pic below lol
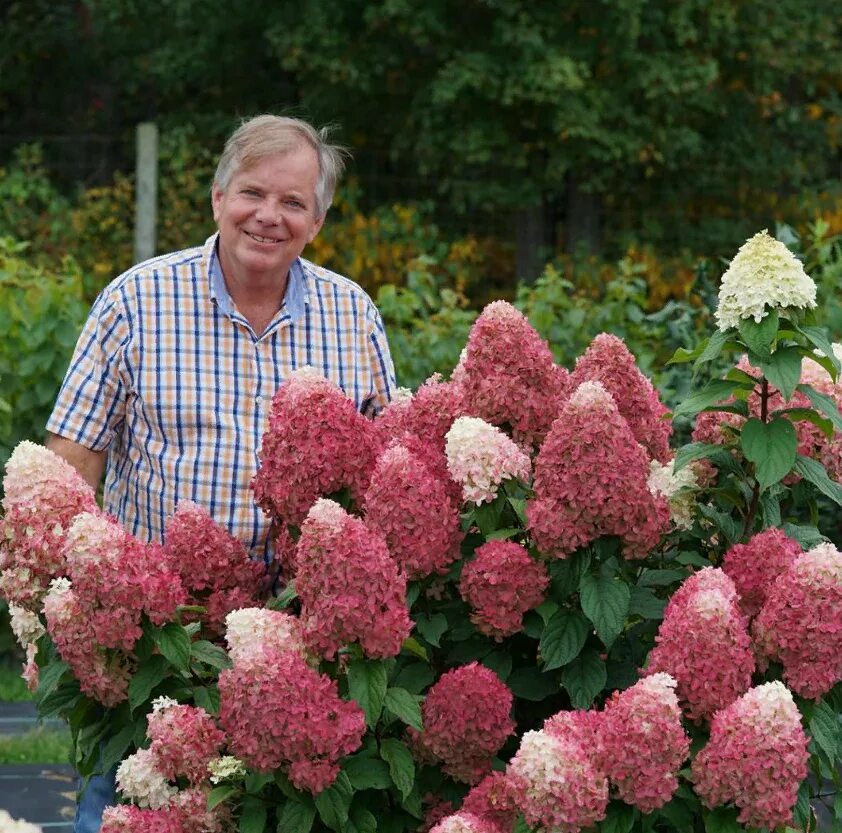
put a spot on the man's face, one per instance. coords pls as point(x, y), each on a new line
point(267, 215)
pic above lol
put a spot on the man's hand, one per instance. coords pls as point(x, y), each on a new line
point(90, 464)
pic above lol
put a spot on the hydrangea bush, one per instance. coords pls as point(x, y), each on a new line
point(505, 604)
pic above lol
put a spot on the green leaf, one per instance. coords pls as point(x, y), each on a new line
point(521, 826)
point(207, 698)
point(401, 764)
point(367, 773)
point(219, 794)
point(802, 812)
point(253, 816)
point(531, 684)
point(584, 678)
point(500, 662)
point(809, 415)
point(431, 627)
point(661, 578)
point(693, 559)
point(404, 705)
point(367, 682)
point(364, 820)
point(566, 573)
point(286, 597)
point(618, 819)
point(174, 643)
point(487, 515)
point(563, 637)
point(296, 817)
point(682, 355)
point(714, 346)
point(759, 335)
point(715, 391)
point(807, 536)
point(49, 677)
point(818, 337)
point(814, 472)
point(783, 370)
point(771, 446)
point(826, 730)
point(721, 820)
point(63, 699)
point(415, 677)
point(114, 751)
point(503, 534)
point(644, 603)
point(770, 504)
point(210, 654)
point(678, 814)
point(605, 602)
point(334, 802)
point(152, 672)
point(698, 451)
point(823, 403)
point(413, 646)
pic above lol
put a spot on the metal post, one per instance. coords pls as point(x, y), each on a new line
point(146, 191)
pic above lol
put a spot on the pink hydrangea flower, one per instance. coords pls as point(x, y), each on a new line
point(492, 799)
point(279, 712)
point(409, 505)
point(703, 644)
point(501, 583)
point(214, 566)
point(42, 495)
point(508, 375)
point(756, 757)
point(480, 457)
point(349, 586)
point(800, 624)
point(317, 443)
point(609, 362)
point(556, 784)
point(126, 818)
point(464, 822)
point(30, 671)
point(466, 719)
point(642, 744)
point(184, 740)
point(754, 566)
point(591, 480)
point(251, 630)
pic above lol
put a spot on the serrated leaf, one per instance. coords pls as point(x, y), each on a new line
point(401, 764)
point(174, 643)
point(363, 820)
point(824, 403)
point(714, 346)
point(415, 677)
point(207, 698)
point(722, 820)
point(563, 637)
point(287, 596)
point(519, 505)
point(413, 646)
point(770, 505)
point(661, 578)
point(715, 391)
point(366, 773)
point(152, 672)
point(809, 415)
point(682, 355)
point(698, 451)
point(819, 339)
point(531, 684)
point(219, 794)
point(404, 705)
point(759, 335)
point(692, 559)
point(807, 536)
point(802, 812)
point(521, 826)
point(210, 654)
point(605, 602)
point(431, 627)
point(49, 677)
point(367, 683)
point(783, 370)
point(566, 573)
point(584, 678)
point(644, 603)
point(826, 730)
point(503, 534)
point(334, 802)
point(814, 472)
point(296, 817)
point(618, 819)
point(771, 446)
point(115, 750)
point(252, 816)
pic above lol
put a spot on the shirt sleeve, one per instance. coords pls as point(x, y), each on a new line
point(90, 407)
point(380, 361)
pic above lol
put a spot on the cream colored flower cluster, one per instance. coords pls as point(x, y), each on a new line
point(10, 825)
point(763, 275)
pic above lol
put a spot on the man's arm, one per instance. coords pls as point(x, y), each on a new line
point(90, 464)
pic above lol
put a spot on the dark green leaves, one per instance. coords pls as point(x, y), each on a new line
point(334, 802)
point(401, 764)
point(814, 472)
point(367, 682)
point(771, 447)
point(584, 678)
point(713, 392)
point(404, 705)
point(210, 654)
point(147, 677)
point(823, 403)
point(759, 335)
point(174, 643)
point(605, 601)
point(296, 817)
point(783, 370)
point(563, 637)
point(431, 627)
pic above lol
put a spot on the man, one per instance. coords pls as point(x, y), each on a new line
point(170, 384)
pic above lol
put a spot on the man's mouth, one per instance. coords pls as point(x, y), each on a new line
point(260, 239)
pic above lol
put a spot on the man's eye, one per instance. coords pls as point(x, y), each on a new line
point(249, 192)
point(295, 203)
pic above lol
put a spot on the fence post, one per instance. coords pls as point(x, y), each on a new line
point(146, 191)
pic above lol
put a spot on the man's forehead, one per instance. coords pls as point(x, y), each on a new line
point(301, 153)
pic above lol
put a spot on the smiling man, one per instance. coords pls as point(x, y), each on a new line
point(170, 384)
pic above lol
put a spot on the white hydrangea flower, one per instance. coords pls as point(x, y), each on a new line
point(763, 275)
point(226, 767)
point(677, 487)
point(10, 825)
point(140, 780)
point(26, 625)
point(251, 629)
point(59, 585)
point(160, 704)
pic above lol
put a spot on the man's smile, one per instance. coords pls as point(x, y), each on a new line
point(260, 239)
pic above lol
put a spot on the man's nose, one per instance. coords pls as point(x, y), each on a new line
point(269, 213)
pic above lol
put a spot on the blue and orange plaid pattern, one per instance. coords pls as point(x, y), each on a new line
point(173, 381)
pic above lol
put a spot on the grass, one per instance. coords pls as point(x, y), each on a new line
point(12, 687)
point(37, 746)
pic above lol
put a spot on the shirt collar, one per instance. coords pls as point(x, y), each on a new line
point(295, 297)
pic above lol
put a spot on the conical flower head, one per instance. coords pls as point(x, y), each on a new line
point(756, 757)
point(800, 623)
point(42, 495)
point(508, 374)
point(609, 362)
point(703, 644)
point(642, 744)
point(316, 444)
point(350, 588)
point(763, 275)
point(591, 480)
point(409, 505)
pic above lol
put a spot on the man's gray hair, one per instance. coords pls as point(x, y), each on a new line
point(268, 135)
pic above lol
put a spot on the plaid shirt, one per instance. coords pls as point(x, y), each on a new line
point(172, 379)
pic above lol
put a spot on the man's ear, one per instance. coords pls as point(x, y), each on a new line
point(216, 201)
point(317, 227)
